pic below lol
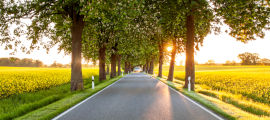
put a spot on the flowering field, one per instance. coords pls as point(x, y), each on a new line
point(22, 79)
point(250, 81)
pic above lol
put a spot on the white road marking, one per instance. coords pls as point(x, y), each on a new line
point(193, 101)
point(60, 115)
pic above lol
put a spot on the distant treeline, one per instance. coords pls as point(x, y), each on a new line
point(252, 59)
point(28, 62)
point(17, 62)
point(247, 58)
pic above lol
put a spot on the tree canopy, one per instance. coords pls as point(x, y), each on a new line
point(133, 32)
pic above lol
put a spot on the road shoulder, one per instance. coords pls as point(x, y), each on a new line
point(219, 107)
point(54, 109)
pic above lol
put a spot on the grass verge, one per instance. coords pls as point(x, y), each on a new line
point(227, 110)
point(22, 105)
point(237, 100)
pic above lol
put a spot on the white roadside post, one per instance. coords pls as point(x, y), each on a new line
point(93, 83)
point(188, 83)
point(128, 72)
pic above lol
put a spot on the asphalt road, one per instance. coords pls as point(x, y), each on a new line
point(138, 97)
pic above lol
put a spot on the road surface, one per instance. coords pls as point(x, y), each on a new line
point(138, 96)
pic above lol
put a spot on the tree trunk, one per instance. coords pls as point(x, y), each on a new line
point(119, 64)
point(129, 67)
point(190, 71)
point(144, 67)
point(126, 67)
point(113, 65)
point(108, 70)
point(101, 57)
point(171, 70)
point(76, 60)
point(151, 69)
point(147, 65)
point(161, 49)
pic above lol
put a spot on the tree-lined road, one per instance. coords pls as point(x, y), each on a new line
point(138, 96)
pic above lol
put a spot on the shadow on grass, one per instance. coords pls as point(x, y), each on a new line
point(198, 98)
point(49, 111)
point(228, 99)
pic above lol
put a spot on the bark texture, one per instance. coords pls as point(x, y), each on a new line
point(147, 65)
point(171, 70)
point(108, 70)
point(190, 71)
point(126, 67)
point(113, 65)
point(144, 67)
point(114, 57)
point(161, 49)
point(129, 67)
point(76, 60)
point(151, 69)
point(101, 57)
point(119, 64)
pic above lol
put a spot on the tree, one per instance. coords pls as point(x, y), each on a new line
point(265, 61)
point(161, 57)
point(171, 70)
point(233, 62)
point(245, 19)
point(38, 63)
point(228, 62)
point(119, 64)
point(191, 20)
point(16, 62)
point(255, 58)
point(249, 58)
point(69, 18)
point(96, 27)
point(54, 65)
point(210, 62)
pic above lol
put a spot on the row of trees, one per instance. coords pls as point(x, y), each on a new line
point(16, 62)
point(128, 32)
point(28, 62)
point(248, 58)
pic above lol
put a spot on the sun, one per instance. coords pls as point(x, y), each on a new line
point(169, 48)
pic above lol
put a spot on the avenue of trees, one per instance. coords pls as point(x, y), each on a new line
point(128, 33)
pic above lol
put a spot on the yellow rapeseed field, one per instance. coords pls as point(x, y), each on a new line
point(21, 79)
point(249, 81)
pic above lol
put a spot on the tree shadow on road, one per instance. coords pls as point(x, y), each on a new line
point(197, 98)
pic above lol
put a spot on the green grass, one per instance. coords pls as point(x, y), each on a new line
point(224, 109)
point(243, 87)
point(256, 108)
point(23, 103)
point(193, 95)
point(52, 110)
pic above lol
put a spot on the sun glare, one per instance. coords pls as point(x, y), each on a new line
point(169, 48)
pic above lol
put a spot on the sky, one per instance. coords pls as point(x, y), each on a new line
point(223, 47)
point(220, 48)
